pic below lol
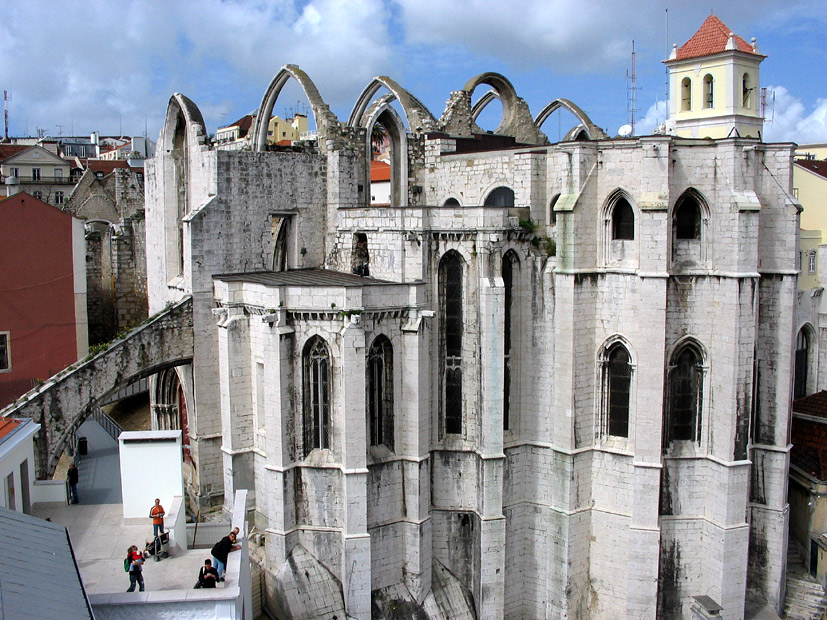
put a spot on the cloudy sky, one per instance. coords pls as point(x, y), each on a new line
point(111, 65)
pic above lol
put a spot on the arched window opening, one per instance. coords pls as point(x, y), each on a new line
point(500, 197)
point(687, 218)
point(360, 259)
point(316, 385)
point(552, 214)
point(617, 381)
point(802, 360)
point(451, 293)
point(746, 91)
point(180, 160)
point(623, 220)
point(685, 396)
point(451, 202)
point(686, 94)
point(811, 262)
point(380, 392)
point(279, 227)
point(709, 97)
point(381, 171)
point(509, 266)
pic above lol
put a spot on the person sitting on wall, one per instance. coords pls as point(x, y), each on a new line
point(156, 513)
point(221, 550)
point(207, 575)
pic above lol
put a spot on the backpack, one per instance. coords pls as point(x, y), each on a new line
point(126, 564)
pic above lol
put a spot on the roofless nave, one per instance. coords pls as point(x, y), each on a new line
point(562, 390)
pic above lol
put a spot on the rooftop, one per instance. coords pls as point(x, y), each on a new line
point(816, 166)
point(711, 38)
point(303, 277)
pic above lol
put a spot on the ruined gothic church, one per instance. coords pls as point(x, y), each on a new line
point(545, 381)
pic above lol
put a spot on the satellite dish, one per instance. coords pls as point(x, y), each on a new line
point(625, 131)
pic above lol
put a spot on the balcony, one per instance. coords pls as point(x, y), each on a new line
point(43, 180)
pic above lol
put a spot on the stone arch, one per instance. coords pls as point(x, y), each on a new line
point(503, 90)
point(182, 116)
point(325, 119)
point(418, 116)
point(384, 114)
point(593, 131)
point(689, 220)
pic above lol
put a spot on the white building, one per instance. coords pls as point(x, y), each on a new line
point(558, 387)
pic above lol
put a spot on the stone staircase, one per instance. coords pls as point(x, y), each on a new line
point(806, 598)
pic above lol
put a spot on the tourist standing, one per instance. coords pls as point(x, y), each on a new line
point(156, 513)
point(72, 479)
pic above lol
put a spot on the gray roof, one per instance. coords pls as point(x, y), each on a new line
point(38, 574)
point(303, 277)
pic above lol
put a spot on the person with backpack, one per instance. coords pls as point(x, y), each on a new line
point(207, 575)
point(133, 564)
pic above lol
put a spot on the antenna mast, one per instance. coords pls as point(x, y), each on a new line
point(631, 92)
point(6, 99)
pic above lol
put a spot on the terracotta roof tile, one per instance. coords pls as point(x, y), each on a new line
point(816, 166)
point(7, 425)
point(711, 38)
point(380, 171)
point(814, 404)
point(7, 150)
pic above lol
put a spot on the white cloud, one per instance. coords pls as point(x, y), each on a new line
point(655, 116)
point(787, 119)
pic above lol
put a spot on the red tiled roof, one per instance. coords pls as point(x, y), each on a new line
point(107, 166)
point(8, 425)
point(711, 38)
point(814, 405)
point(816, 166)
point(7, 150)
point(380, 171)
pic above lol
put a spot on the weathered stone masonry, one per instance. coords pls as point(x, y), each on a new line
point(543, 460)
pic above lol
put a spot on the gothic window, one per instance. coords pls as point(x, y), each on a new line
point(617, 382)
point(709, 98)
point(500, 197)
point(451, 291)
point(687, 218)
point(685, 395)
point(360, 259)
point(686, 94)
point(380, 392)
point(802, 359)
point(623, 220)
point(510, 265)
point(316, 386)
point(552, 214)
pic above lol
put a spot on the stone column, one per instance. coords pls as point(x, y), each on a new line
point(355, 570)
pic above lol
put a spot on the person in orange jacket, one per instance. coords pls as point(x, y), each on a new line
point(156, 513)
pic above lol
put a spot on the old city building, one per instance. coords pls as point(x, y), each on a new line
point(545, 381)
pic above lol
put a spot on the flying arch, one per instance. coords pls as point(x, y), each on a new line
point(321, 111)
point(419, 117)
point(593, 131)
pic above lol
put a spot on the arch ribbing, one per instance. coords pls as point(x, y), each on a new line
point(483, 102)
point(321, 111)
point(506, 92)
point(193, 120)
point(593, 131)
point(419, 117)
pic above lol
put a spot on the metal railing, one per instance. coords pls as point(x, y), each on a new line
point(111, 427)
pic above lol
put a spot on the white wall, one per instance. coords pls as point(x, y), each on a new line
point(15, 448)
point(151, 466)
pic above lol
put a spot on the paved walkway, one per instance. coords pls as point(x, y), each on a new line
point(100, 535)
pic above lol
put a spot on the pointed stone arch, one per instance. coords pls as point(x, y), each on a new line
point(593, 131)
point(383, 113)
point(325, 119)
point(418, 116)
point(182, 116)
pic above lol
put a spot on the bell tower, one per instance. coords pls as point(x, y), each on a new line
point(714, 85)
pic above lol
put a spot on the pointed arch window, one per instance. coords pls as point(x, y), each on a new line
point(687, 218)
point(685, 395)
point(316, 385)
point(802, 361)
point(509, 267)
point(380, 392)
point(451, 315)
point(746, 91)
point(623, 220)
point(617, 382)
